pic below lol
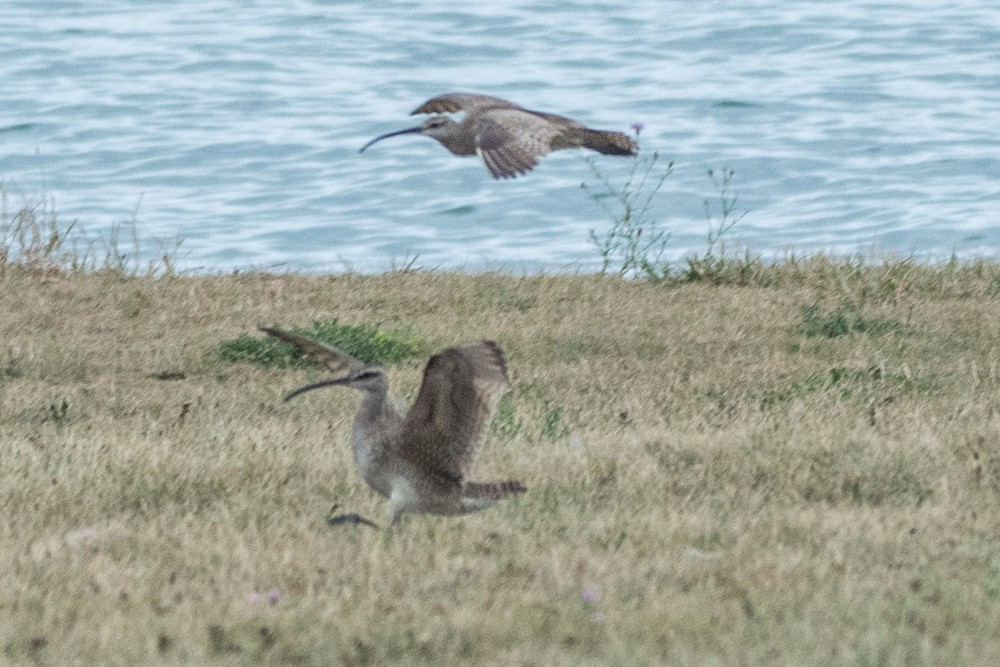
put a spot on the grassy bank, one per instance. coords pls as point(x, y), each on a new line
point(791, 465)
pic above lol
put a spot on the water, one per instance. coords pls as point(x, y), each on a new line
point(234, 127)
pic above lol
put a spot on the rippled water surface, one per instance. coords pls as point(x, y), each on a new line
point(235, 127)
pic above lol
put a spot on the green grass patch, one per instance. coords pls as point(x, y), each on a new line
point(842, 321)
point(844, 383)
point(853, 474)
point(370, 343)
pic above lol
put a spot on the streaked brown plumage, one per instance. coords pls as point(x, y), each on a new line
point(507, 137)
point(421, 461)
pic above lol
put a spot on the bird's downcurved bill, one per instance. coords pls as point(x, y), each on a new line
point(409, 130)
point(315, 385)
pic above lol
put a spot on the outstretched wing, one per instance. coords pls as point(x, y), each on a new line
point(455, 102)
point(461, 389)
point(510, 141)
point(337, 361)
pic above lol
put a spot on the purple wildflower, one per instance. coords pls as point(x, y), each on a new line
point(272, 596)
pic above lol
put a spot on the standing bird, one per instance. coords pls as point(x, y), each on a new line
point(420, 462)
point(508, 138)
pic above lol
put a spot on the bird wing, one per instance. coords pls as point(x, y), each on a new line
point(334, 359)
point(510, 141)
point(462, 386)
point(454, 102)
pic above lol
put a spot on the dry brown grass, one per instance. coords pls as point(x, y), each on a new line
point(711, 479)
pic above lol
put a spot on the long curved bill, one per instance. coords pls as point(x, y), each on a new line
point(316, 385)
point(410, 130)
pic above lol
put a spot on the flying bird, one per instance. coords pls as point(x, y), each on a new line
point(507, 137)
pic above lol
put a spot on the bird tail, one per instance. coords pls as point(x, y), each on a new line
point(495, 490)
point(476, 496)
point(608, 143)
